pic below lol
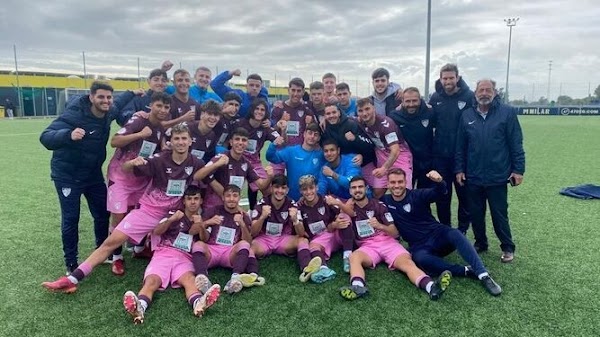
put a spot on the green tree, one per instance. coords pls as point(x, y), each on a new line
point(597, 91)
point(564, 100)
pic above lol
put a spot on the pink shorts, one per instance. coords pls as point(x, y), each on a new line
point(331, 242)
point(404, 161)
point(278, 168)
point(220, 256)
point(169, 264)
point(139, 222)
point(260, 172)
point(382, 248)
point(122, 195)
point(273, 244)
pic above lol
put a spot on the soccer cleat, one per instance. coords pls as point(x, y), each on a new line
point(62, 285)
point(353, 292)
point(71, 268)
point(347, 265)
point(234, 285)
point(118, 267)
point(324, 274)
point(440, 285)
point(209, 298)
point(132, 305)
point(144, 254)
point(312, 267)
point(250, 280)
point(202, 283)
point(491, 286)
point(507, 257)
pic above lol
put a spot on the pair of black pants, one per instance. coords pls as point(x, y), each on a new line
point(445, 167)
point(496, 196)
point(429, 255)
point(69, 197)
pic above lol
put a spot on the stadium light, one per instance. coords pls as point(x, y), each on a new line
point(510, 22)
point(428, 50)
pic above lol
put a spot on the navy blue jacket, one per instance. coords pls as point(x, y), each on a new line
point(219, 87)
point(80, 162)
point(448, 109)
point(138, 103)
point(417, 130)
point(489, 150)
point(412, 215)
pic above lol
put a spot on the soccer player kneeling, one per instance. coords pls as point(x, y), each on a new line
point(172, 261)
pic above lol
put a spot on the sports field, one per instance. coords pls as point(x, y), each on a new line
point(551, 289)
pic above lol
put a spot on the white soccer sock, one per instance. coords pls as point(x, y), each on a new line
point(482, 275)
point(117, 257)
point(73, 279)
point(138, 249)
point(234, 275)
point(358, 283)
point(143, 305)
point(428, 286)
point(347, 254)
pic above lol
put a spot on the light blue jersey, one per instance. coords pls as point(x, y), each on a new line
point(298, 162)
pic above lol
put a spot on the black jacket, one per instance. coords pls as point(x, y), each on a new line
point(80, 162)
point(361, 144)
point(417, 130)
point(448, 110)
point(489, 150)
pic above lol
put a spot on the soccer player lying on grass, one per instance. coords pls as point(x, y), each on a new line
point(327, 229)
point(429, 241)
point(170, 172)
point(139, 137)
point(172, 263)
point(376, 238)
point(225, 242)
point(274, 221)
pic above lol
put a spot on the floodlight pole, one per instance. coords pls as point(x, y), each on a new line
point(510, 22)
point(428, 50)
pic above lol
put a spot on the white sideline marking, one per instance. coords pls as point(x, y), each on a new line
point(19, 134)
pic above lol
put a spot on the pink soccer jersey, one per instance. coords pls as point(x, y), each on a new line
point(297, 122)
point(279, 222)
point(228, 233)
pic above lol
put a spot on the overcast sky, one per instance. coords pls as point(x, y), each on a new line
point(283, 39)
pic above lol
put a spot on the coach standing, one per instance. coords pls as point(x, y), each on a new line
point(489, 154)
point(78, 140)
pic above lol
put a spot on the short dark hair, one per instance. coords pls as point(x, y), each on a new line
point(232, 188)
point(328, 75)
point(342, 86)
point(232, 96)
point(364, 101)
point(255, 104)
point(158, 72)
point(211, 106)
point(449, 67)
point(180, 71)
point(314, 127)
point(297, 81)
point(97, 85)
point(254, 77)
point(240, 132)
point(380, 72)
point(358, 178)
point(316, 85)
point(279, 180)
point(161, 96)
point(396, 170)
point(330, 141)
point(192, 190)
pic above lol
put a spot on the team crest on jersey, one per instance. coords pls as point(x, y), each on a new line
point(168, 132)
point(259, 133)
point(254, 213)
point(300, 113)
point(321, 210)
point(370, 214)
point(179, 110)
point(208, 141)
point(315, 161)
point(376, 133)
point(189, 170)
point(158, 135)
point(425, 122)
point(66, 191)
point(245, 167)
point(462, 104)
point(407, 208)
point(284, 215)
point(169, 170)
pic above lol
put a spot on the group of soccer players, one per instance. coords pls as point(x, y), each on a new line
point(186, 154)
